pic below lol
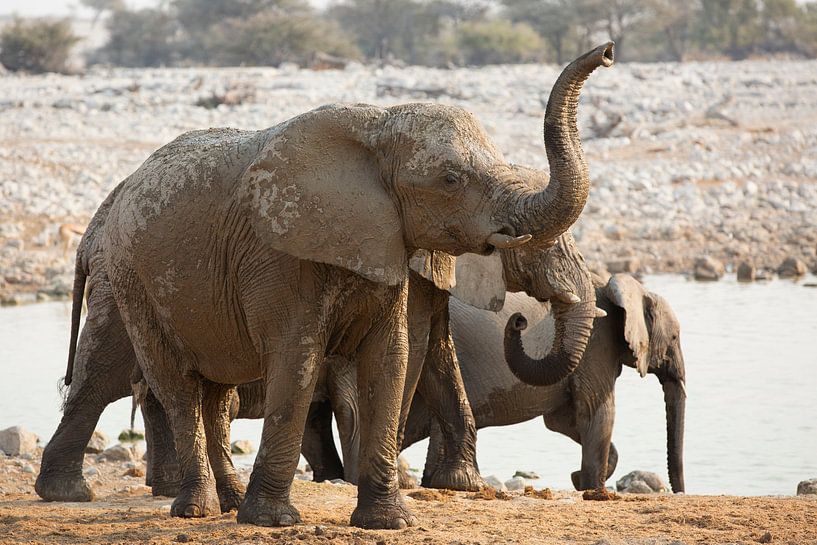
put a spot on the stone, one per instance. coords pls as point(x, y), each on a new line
point(97, 443)
point(515, 483)
point(17, 441)
point(641, 482)
point(91, 471)
point(405, 479)
point(624, 265)
point(792, 267)
point(28, 468)
point(708, 268)
point(746, 272)
point(118, 453)
point(183, 538)
point(494, 482)
point(242, 446)
point(765, 538)
point(526, 474)
point(807, 488)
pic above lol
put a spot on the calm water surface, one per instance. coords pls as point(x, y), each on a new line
point(751, 355)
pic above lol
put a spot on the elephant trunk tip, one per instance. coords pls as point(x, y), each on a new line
point(607, 54)
point(517, 322)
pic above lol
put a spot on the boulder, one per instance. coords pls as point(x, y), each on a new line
point(641, 482)
point(515, 483)
point(792, 267)
point(624, 265)
point(495, 483)
point(405, 479)
point(746, 272)
point(97, 443)
point(708, 268)
point(242, 446)
point(118, 453)
point(807, 488)
point(526, 474)
point(17, 441)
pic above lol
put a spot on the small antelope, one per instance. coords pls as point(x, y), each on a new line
point(67, 232)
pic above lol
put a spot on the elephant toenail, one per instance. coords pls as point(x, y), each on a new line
point(400, 524)
point(286, 520)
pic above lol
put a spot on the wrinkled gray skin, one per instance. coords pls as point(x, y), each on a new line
point(640, 330)
point(541, 211)
point(237, 255)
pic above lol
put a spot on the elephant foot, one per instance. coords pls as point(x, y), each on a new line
point(196, 502)
point(462, 477)
point(266, 512)
point(383, 515)
point(576, 477)
point(63, 487)
point(230, 496)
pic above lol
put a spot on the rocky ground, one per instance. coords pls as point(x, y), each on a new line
point(686, 160)
point(125, 512)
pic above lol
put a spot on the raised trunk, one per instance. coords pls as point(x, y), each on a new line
point(675, 402)
point(574, 323)
point(552, 211)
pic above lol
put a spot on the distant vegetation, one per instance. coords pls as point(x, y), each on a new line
point(429, 32)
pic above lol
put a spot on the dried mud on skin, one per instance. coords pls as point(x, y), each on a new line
point(125, 512)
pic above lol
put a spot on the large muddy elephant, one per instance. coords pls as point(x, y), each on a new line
point(351, 130)
point(640, 330)
point(237, 255)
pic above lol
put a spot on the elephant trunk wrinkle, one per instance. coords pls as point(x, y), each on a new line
point(675, 403)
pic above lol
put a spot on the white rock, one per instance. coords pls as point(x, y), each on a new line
point(242, 446)
point(494, 482)
point(97, 443)
point(118, 453)
point(16, 441)
point(515, 483)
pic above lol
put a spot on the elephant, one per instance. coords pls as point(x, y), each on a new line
point(379, 505)
point(639, 330)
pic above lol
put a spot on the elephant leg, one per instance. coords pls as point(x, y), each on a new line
point(218, 399)
point(162, 473)
point(319, 445)
point(596, 431)
point(102, 367)
point(382, 362)
point(343, 394)
point(290, 378)
point(436, 451)
point(444, 394)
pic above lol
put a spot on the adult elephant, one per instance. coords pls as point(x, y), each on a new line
point(640, 330)
point(238, 255)
point(61, 477)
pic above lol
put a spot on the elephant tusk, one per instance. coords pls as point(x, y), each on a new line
point(600, 313)
point(571, 298)
point(506, 242)
point(683, 387)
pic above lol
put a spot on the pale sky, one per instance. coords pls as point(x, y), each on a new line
point(29, 8)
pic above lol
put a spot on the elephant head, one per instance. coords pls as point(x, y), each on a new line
point(360, 186)
point(652, 333)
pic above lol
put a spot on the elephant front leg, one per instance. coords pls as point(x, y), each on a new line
point(596, 432)
point(290, 381)
point(218, 398)
point(163, 474)
point(444, 394)
point(381, 376)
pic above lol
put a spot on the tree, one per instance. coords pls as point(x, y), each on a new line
point(37, 46)
point(554, 20)
point(101, 6)
point(498, 41)
point(729, 26)
point(146, 37)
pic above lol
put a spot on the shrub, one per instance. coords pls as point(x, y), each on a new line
point(146, 37)
point(498, 41)
point(37, 45)
point(270, 38)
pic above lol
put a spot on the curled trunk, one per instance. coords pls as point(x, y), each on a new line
point(552, 211)
point(574, 323)
point(675, 402)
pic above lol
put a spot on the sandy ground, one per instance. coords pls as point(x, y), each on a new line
point(125, 512)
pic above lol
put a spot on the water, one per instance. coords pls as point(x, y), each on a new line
point(751, 426)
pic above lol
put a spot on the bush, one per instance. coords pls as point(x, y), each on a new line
point(270, 38)
point(497, 42)
point(36, 45)
point(146, 37)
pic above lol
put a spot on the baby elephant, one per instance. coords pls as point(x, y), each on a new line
point(640, 330)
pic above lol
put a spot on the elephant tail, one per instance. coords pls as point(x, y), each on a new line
point(78, 295)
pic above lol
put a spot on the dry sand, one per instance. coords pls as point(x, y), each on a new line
point(125, 512)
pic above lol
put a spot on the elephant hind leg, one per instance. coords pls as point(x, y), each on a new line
point(163, 473)
point(319, 445)
point(218, 399)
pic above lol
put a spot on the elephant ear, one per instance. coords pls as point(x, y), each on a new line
point(315, 191)
point(480, 281)
point(437, 267)
point(626, 292)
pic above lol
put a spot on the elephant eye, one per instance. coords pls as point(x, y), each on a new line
point(451, 180)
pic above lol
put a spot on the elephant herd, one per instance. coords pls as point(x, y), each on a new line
point(378, 265)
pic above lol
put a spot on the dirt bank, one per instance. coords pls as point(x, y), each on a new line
point(125, 512)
